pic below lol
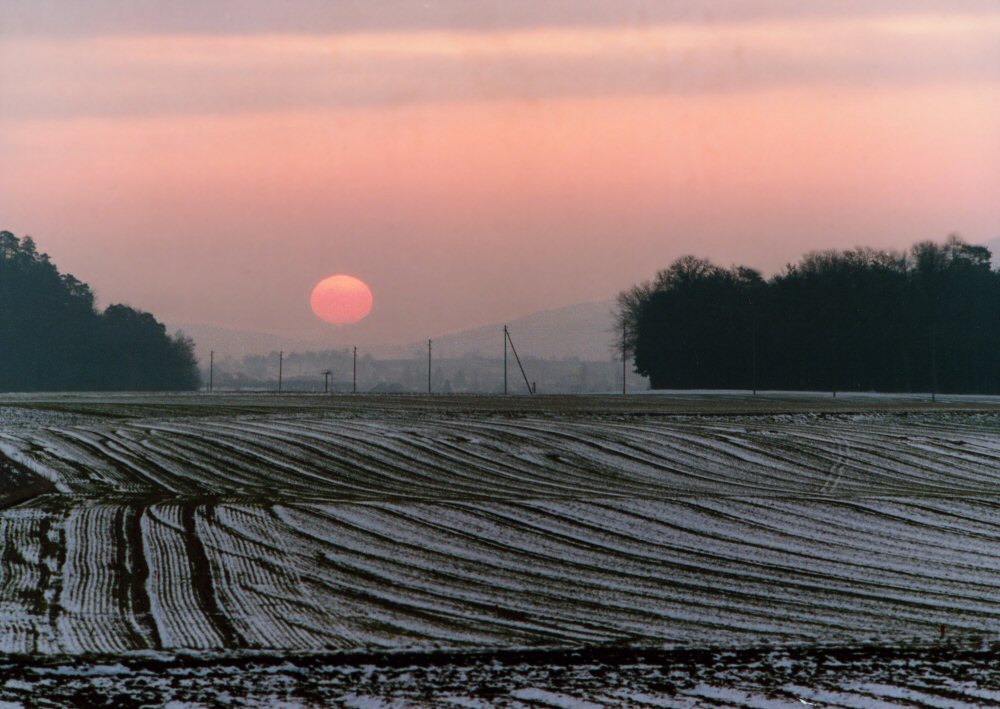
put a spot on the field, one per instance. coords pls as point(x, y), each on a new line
point(661, 550)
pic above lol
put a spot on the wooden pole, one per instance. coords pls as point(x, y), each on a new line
point(281, 357)
point(354, 385)
point(505, 360)
point(428, 366)
point(624, 361)
point(933, 363)
point(211, 370)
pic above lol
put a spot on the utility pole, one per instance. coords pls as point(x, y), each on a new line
point(281, 357)
point(624, 360)
point(354, 386)
point(836, 368)
point(428, 366)
point(753, 356)
point(326, 381)
point(505, 360)
point(933, 363)
point(211, 369)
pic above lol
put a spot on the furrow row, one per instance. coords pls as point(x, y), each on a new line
point(337, 459)
point(312, 576)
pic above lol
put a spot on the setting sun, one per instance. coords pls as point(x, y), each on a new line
point(341, 299)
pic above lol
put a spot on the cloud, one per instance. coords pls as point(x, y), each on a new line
point(240, 17)
point(219, 74)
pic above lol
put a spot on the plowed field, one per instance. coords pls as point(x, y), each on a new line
point(336, 527)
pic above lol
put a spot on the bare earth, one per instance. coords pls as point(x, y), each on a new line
point(697, 549)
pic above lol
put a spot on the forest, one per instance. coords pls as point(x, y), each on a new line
point(927, 320)
point(52, 338)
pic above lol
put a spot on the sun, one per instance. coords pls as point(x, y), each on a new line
point(341, 299)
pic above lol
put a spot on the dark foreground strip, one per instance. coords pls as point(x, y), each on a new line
point(929, 676)
point(567, 657)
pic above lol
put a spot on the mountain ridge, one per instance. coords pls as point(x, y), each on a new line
point(583, 331)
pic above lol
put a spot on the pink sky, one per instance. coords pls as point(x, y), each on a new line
point(212, 167)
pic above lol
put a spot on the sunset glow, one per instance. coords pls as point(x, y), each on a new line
point(454, 155)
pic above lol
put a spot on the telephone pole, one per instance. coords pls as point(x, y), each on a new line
point(326, 381)
point(281, 357)
point(211, 369)
point(428, 366)
point(933, 362)
point(505, 360)
point(624, 360)
point(354, 385)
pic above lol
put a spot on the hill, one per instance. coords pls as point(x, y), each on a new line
point(582, 331)
point(229, 342)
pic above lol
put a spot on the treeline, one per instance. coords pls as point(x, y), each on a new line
point(53, 339)
point(862, 320)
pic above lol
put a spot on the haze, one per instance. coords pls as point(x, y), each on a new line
point(474, 162)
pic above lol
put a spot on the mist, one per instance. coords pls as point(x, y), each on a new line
point(211, 166)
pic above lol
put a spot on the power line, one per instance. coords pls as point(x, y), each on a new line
point(506, 333)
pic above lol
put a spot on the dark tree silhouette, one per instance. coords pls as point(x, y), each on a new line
point(696, 321)
point(52, 338)
point(862, 320)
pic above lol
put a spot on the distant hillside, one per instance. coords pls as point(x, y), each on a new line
point(227, 342)
point(584, 331)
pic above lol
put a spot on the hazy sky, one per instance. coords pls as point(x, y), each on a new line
point(476, 161)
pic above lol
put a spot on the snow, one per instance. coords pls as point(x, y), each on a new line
point(303, 531)
point(887, 691)
point(552, 699)
point(99, 670)
point(740, 697)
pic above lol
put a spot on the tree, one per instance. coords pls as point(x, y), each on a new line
point(860, 319)
point(52, 338)
point(693, 325)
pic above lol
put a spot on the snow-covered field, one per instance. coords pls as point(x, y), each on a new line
point(945, 677)
point(303, 526)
